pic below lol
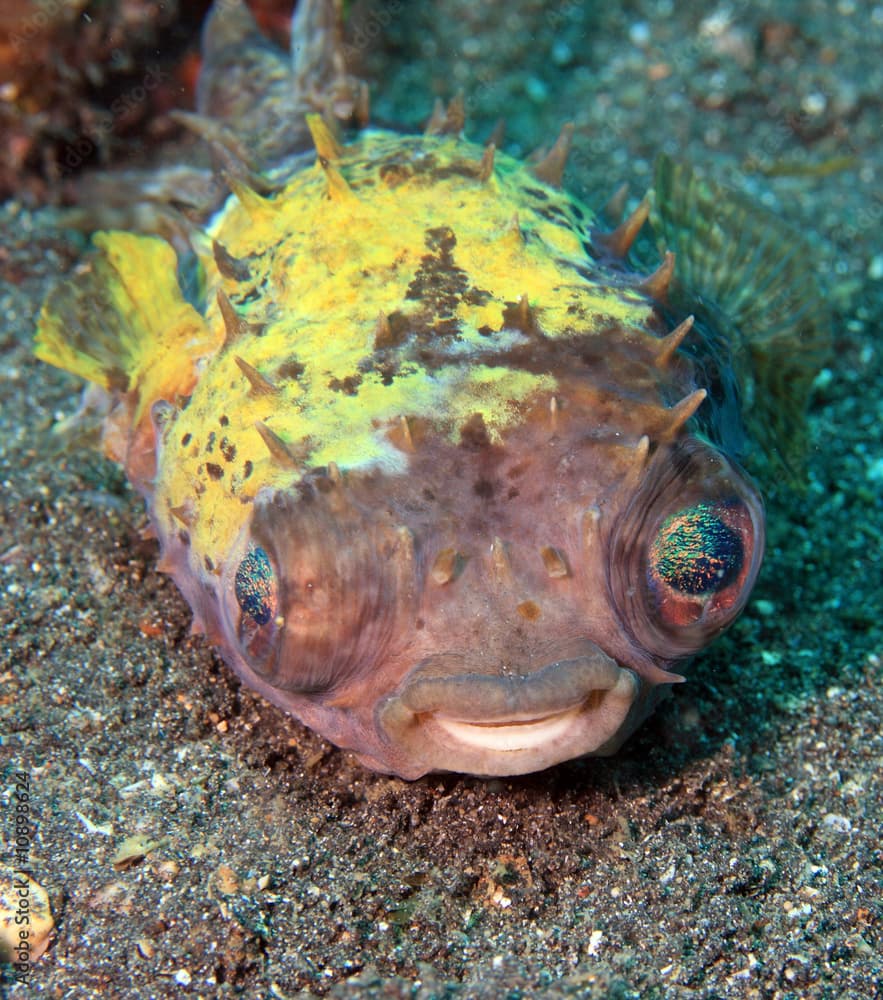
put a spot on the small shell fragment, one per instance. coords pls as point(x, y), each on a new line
point(26, 921)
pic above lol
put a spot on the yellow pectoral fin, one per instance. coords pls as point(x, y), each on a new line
point(122, 322)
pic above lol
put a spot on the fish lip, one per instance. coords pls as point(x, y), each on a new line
point(497, 725)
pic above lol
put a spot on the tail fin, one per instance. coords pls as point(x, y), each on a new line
point(752, 277)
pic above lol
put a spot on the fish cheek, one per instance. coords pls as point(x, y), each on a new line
point(686, 550)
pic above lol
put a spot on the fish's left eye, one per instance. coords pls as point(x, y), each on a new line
point(696, 558)
point(256, 588)
point(686, 551)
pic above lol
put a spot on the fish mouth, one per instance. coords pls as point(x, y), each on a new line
point(443, 718)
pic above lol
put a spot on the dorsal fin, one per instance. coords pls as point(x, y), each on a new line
point(749, 279)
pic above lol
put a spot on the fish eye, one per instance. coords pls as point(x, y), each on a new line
point(686, 551)
point(696, 559)
point(255, 586)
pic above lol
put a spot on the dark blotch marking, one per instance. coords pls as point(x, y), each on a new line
point(291, 369)
point(223, 420)
point(210, 443)
point(215, 471)
point(188, 437)
point(392, 174)
point(184, 538)
point(474, 434)
point(349, 385)
point(209, 565)
point(247, 469)
point(477, 297)
point(439, 284)
point(228, 449)
point(537, 193)
point(484, 488)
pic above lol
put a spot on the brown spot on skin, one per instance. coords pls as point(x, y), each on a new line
point(224, 420)
point(186, 439)
point(474, 434)
point(393, 174)
point(228, 449)
point(484, 488)
point(529, 610)
point(247, 468)
point(214, 471)
point(349, 386)
point(292, 369)
point(439, 284)
point(210, 443)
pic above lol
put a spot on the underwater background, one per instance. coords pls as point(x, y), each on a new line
point(192, 839)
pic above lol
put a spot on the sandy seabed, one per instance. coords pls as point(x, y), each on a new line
point(732, 849)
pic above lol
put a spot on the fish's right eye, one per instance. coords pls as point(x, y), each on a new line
point(256, 588)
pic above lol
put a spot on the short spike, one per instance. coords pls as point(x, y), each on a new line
point(656, 285)
point(615, 207)
point(436, 119)
point(445, 566)
point(520, 316)
point(234, 325)
point(327, 147)
point(260, 386)
point(498, 133)
point(279, 450)
point(254, 204)
point(619, 241)
point(550, 169)
point(382, 332)
point(362, 107)
point(640, 452)
point(502, 567)
point(455, 118)
point(338, 189)
point(681, 412)
point(184, 513)
point(591, 520)
point(553, 412)
point(229, 266)
point(513, 233)
point(486, 164)
point(669, 345)
point(403, 550)
point(554, 561)
point(405, 430)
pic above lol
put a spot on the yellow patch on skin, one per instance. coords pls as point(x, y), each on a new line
point(419, 238)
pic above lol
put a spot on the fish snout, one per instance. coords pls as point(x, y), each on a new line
point(446, 716)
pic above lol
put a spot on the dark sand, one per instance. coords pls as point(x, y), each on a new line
point(732, 849)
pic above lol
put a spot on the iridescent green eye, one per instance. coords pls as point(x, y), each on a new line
point(696, 552)
point(255, 586)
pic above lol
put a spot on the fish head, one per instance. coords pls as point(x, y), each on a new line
point(500, 607)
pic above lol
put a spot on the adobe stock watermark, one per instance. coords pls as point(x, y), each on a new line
point(35, 25)
point(21, 946)
point(84, 147)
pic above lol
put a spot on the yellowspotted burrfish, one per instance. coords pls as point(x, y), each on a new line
point(438, 471)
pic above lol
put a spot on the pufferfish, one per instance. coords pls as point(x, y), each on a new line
point(437, 471)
